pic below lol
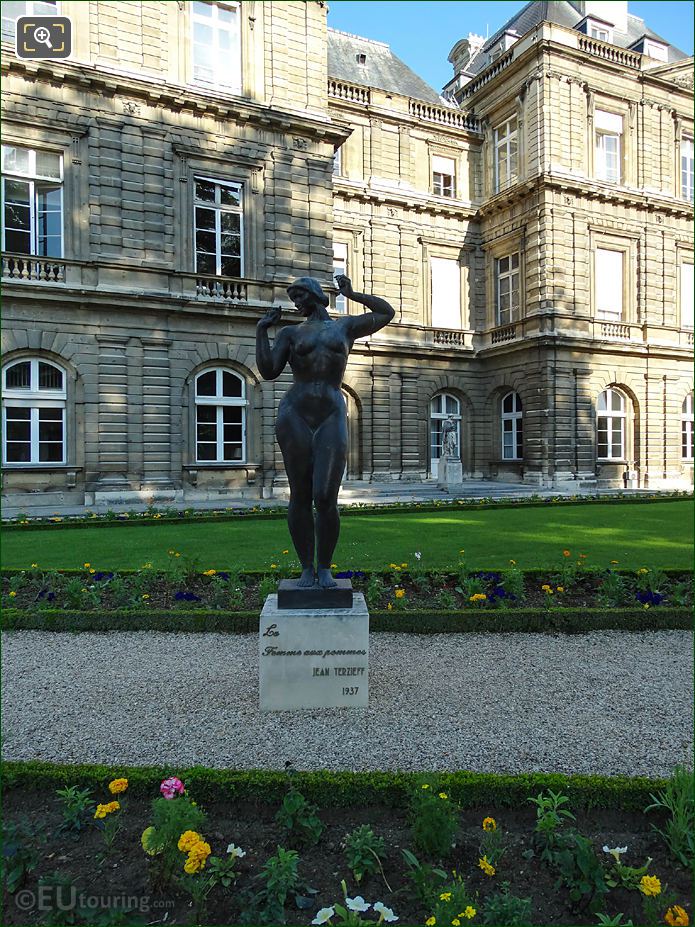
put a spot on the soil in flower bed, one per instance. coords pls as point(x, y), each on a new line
point(397, 589)
point(125, 870)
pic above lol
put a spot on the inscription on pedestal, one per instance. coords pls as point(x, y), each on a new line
point(314, 658)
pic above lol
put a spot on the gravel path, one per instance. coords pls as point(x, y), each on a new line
point(607, 702)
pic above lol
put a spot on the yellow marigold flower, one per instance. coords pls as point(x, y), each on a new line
point(489, 824)
point(546, 588)
point(560, 588)
point(425, 786)
point(103, 810)
point(404, 566)
point(399, 593)
point(615, 561)
point(13, 594)
point(677, 916)
point(642, 571)
point(431, 921)
point(393, 566)
point(285, 551)
point(443, 795)
point(145, 595)
point(116, 786)
point(199, 852)
point(273, 566)
point(513, 562)
point(650, 885)
point(209, 572)
point(456, 922)
point(486, 866)
point(445, 896)
point(333, 566)
point(86, 565)
point(566, 553)
point(191, 866)
point(92, 570)
point(470, 912)
point(34, 565)
point(389, 607)
point(188, 840)
point(177, 554)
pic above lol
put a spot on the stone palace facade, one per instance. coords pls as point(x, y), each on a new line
point(531, 225)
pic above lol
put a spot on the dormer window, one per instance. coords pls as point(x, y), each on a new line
point(596, 29)
point(361, 59)
point(656, 50)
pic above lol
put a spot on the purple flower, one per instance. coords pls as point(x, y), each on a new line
point(186, 597)
point(647, 597)
point(99, 576)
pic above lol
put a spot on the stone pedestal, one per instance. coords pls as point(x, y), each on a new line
point(314, 658)
point(450, 472)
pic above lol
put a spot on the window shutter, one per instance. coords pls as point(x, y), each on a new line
point(608, 122)
point(443, 165)
point(686, 295)
point(609, 284)
point(446, 293)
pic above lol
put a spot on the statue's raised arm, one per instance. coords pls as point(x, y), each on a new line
point(360, 326)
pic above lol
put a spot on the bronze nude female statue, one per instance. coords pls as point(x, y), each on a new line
point(311, 425)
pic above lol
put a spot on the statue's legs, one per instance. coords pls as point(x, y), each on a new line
point(330, 455)
point(295, 440)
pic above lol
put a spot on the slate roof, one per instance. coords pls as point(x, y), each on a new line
point(382, 69)
point(565, 13)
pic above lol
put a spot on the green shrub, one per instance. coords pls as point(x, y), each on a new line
point(364, 851)
point(299, 818)
point(435, 821)
point(505, 908)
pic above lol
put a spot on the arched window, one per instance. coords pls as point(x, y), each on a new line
point(687, 428)
point(512, 427)
point(220, 417)
point(33, 412)
point(610, 425)
point(443, 407)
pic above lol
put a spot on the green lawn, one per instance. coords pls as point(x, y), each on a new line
point(659, 534)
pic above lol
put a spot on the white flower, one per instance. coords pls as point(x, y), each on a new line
point(386, 913)
point(418, 555)
point(357, 904)
point(235, 851)
point(324, 915)
point(616, 852)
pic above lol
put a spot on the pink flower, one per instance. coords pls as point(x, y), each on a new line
point(171, 787)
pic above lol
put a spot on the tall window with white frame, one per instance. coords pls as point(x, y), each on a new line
point(216, 45)
point(508, 288)
point(687, 169)
point(609, 284)
point(219, 246)
point(608, 128)
point(443, 176)
point(33, 413)
point(610, 425)
point(220, 417)
point(512, 427)
point(687, 428)
point(686, 296)
point(32, 201)
point(340, 266)
point(12, 10)
point(506, 154)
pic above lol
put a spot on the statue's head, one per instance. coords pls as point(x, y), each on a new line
point(306, 293)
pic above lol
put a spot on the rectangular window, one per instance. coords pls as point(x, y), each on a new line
point(687, 169)
point(443, 176)
point(34, 435)
point(32, 202)
point(216, 42)
point(338, 162)
point(608, 150)
point(596, 32)
point(609, 284)
point(446, 293)
point(218, 221)
point(506, 155)
point(340, 266)
point(686, 296)
point(508, 288)
point(11, 11)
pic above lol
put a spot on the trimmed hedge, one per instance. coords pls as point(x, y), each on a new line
point(146, 518)
point(562, 620)
point(343, 789)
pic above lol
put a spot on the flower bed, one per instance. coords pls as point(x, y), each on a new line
point(153, 515)
point(229, 847)
point(404, 587)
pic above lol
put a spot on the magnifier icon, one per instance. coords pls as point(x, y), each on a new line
point(42, 35)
